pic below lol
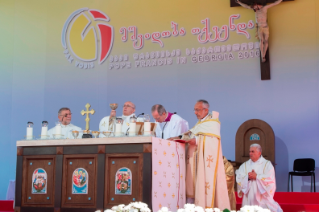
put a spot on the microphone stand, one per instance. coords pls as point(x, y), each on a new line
point(140, 115)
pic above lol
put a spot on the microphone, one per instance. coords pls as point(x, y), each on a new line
point(140, 114)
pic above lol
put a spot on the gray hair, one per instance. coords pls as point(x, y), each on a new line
point(63, 108)
point(257, 146)
point(159, 108)
point(204, 102)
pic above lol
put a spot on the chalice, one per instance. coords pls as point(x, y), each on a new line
point(75, 134)
point(107, 133)
point(114, 106)
point(95, 133)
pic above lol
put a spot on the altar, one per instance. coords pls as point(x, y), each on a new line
point(95, 173)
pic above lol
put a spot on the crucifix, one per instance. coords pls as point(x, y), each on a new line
point(87, 112)
point(260, 8)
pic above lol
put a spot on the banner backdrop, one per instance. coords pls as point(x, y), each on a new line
point(61, 53)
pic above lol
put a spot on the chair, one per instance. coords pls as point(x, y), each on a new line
point(303, 167)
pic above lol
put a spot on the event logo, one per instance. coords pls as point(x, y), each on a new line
point(86, 37)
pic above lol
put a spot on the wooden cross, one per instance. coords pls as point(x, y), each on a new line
point(87, 112)
point(264, 67)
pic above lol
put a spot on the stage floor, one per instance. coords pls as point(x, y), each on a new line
point(289, 201)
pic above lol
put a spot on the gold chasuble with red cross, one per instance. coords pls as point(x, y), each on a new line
point(205, 174)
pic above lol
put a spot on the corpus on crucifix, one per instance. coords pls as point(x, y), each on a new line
point(260, 7)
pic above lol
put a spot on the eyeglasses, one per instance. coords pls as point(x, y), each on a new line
point(67, 114)
point(127, 106)
point(198, 110)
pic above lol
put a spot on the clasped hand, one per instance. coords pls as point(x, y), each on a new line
point(252, 175)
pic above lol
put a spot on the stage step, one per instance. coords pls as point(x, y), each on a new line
point(293, 201)
point(6, 206)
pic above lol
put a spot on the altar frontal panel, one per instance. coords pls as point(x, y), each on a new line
point(79, 181)
point(123, 179)
point(38, 181)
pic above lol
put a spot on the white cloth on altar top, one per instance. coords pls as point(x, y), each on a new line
point(66, 131)
point(260, 191)
point(105, 124)
point(175, 127)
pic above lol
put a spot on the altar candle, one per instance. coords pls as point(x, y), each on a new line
point(147, 128)
point(58, 130)
point(44, 132)
point(29, 133)
point(132, 129)
point(118, 129)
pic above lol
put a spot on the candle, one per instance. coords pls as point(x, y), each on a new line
point(29, 133)
point(118, 129)
point(44, 132)
point(147, 128)
point(132, 129)
point(58, 131)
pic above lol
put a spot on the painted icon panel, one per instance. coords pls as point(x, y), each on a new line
point(80, 181)
point(123, 181)
point(39, 181)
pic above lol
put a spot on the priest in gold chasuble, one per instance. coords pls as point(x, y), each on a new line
point(205, 174)
point(230, 179)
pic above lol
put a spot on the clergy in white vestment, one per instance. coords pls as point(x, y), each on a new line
point(106, 124)
point(256, 181)
point(65, 116)
point(168, 124)
point(206, 184)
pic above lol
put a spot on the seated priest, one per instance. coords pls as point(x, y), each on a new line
point(206, 184)
point(106, 124)
point(65, 116)
point(168, 124)
point(256, 181)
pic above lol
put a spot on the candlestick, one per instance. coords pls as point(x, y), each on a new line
point(147, 128)
point(44, 130)
point(29, 131)
point(132, 129)
point(58, 130)
point(118, 126)
point(118, 129)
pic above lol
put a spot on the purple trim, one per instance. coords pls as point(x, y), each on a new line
point(169, 117)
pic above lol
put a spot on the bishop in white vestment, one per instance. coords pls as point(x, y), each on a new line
point(106, 124)
point(65, 116)
point(206, 184)
point(168, 124)
point(256, 181)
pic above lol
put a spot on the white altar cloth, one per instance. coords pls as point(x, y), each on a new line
point(87, 141)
